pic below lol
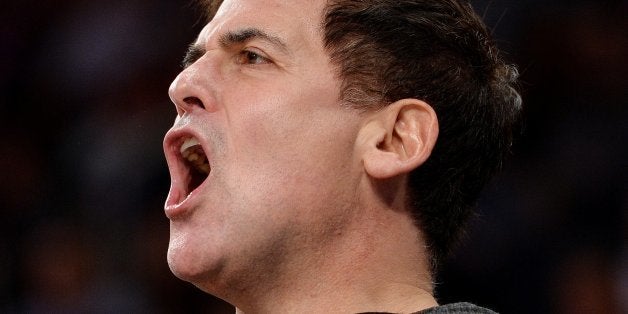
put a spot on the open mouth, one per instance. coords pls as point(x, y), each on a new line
point(196, 163)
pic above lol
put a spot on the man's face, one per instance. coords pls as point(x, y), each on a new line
point(262, 99)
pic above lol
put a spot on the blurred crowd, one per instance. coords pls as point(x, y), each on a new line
point(84, 107)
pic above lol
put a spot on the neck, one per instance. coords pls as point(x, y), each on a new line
point(378, 264)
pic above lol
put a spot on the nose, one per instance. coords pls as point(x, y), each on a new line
point(188, 91)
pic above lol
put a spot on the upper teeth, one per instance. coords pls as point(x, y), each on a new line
point(188, 143)
point(192, 151)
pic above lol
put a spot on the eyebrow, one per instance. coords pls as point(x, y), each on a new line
point(194, 53)
point(232, 38)
point(242, 36)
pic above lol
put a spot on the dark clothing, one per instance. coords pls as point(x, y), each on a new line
point(457, 308)
point(454, 308)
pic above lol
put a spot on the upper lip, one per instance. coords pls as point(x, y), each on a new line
point(179, 170)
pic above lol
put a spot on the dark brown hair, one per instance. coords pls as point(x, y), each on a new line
point(441, 52)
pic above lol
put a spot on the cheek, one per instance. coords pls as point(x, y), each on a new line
point(285, 143)
point(286, 123)
point(294, 154)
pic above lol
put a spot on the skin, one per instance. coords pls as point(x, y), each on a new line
point(303, 210)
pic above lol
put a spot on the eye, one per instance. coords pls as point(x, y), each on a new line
point(250, 57)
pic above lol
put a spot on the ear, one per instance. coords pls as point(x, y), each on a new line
point(398, 138)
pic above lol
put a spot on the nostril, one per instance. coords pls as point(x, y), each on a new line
point(194, 101)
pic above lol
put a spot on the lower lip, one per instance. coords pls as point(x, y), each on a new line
point(175, 210)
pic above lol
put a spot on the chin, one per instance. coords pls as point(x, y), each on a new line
point(190, 265)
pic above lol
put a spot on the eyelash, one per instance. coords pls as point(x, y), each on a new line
point(245, 57)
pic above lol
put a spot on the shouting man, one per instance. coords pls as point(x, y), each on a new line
point(327, 153)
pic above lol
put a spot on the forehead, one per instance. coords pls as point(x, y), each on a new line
point(296, 21)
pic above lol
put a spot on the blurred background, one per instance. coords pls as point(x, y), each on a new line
point(84, 107)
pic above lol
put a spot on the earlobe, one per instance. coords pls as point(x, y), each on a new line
point(399, 138)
